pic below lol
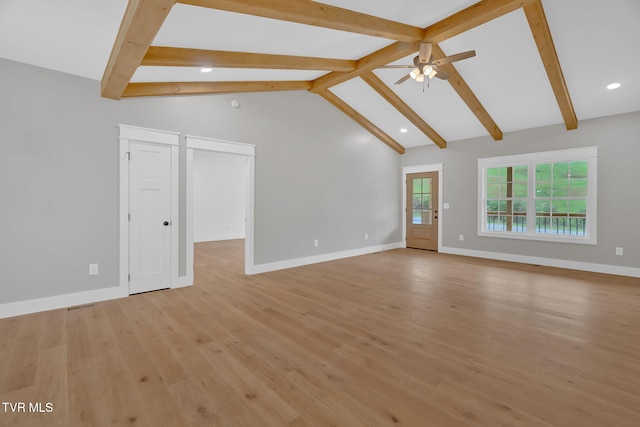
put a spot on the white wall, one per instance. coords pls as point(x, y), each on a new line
point(318, 175)
point(219, 196)
point(618, 193)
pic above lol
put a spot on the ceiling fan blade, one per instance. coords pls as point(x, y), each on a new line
point(454, 58)
point(442, 75)
point(425, 52)
point(397, 66)
point(403, 79)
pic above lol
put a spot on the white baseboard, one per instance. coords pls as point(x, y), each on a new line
point(72, 300)
point(184, 281)
point(281, 265)
point(548, 262)
point(218, 237)
point(60, 301)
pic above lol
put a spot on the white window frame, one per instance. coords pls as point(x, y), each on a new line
point(588, 154)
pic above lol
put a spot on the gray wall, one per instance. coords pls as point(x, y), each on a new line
point(618, 139)
point(318, 176)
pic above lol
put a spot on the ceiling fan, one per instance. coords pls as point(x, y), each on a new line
point(425, 66)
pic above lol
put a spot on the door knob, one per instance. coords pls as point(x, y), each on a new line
point(165, 223)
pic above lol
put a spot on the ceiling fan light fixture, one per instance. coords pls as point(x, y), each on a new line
point(432, 74)
point(420, 78)
point(415, 73)
point(427, 70)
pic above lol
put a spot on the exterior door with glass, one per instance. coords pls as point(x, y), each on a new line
point(422, 211)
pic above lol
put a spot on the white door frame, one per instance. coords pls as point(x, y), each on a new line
point(126, 135)
point(434, 167)
point(226, 147)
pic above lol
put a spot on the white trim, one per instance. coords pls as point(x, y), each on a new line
point(148, 135)
point(189, 215)
point(175, 216)
point(548, 262)
point(126, 135)
point(298, 262)
point(218, 237)
point(434, 167)
point(220, 146)
point(184, 281)
point(216, 145)
point(60, 301)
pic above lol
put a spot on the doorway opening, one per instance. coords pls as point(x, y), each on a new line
point(228, 233)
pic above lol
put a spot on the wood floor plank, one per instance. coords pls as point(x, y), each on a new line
point(403, 337)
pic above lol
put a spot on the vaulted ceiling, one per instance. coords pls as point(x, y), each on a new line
point(537, 63)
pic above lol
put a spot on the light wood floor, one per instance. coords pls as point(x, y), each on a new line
point(404, 337)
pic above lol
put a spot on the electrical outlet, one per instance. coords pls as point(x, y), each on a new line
point(315, 243)
point(461, 237)
point(93, 269)
point(366, 236)
point(619, 251)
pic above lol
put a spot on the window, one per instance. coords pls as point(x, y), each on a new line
point(539, 196)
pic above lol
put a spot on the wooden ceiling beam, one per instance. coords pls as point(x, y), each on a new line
point(471, 17)
point(181, 57)
point(317, 14)
point(200, 88)
point(140, 24)
point(467, 95)
point(361, 120)
point(393, 99)
point(542, 35)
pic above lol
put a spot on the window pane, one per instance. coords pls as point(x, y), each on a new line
point(560, 188)
point(543, 189)
point(520, 189)
point(493, 191)
point(503, 190)
point(543, 206)
point(578, 206)
point(543, 172)
point(577, 187)
point(493, 175)
point(502, 205)
point(520, 173)
point(503, 174)
point(560, 171)
point(560, 206)
point(520, 206)
point(579, 170)
point(492, 206)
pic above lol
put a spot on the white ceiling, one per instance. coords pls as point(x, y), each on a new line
point(596, 43)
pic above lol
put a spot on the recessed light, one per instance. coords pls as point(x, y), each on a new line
point(206, 70)
point(613, 86)
point(404, 130)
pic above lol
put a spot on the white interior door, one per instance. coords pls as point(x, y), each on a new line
point(150, 217)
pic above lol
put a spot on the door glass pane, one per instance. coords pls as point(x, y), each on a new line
point(427, 217)
point(421, 209)
point(417, 201)
point(417, 186)
point(426, 185)
point(417, 216)
point(426, 201)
